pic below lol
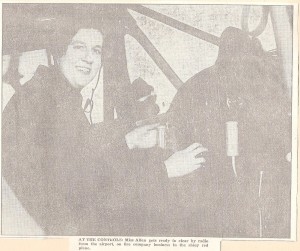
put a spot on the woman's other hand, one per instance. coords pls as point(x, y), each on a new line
point(185, 161)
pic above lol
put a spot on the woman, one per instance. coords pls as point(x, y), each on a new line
point(73, 178)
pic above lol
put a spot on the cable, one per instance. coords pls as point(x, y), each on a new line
point(89, 101)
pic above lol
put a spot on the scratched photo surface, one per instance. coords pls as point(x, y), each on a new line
point(147, 120)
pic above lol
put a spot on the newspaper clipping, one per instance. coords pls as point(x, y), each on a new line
point(149, 125)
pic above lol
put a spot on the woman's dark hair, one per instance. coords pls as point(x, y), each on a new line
point(66, 29)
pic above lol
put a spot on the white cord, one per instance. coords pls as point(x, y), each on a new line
point(260, 223)
point(233, 165)
point(260, 182)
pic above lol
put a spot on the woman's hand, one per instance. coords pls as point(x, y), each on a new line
point(185, 161)
point(142, 137)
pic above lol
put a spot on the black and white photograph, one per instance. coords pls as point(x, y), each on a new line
point(155, 120)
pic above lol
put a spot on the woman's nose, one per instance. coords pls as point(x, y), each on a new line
point(88, 57)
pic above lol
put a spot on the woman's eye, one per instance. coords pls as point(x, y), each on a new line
point(97, 51)
point(78, 47)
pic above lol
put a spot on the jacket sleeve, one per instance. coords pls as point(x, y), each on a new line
point(28, 169)
point(138, 183)
point(21, 158)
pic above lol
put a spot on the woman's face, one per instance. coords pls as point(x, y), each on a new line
point(82, 60)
